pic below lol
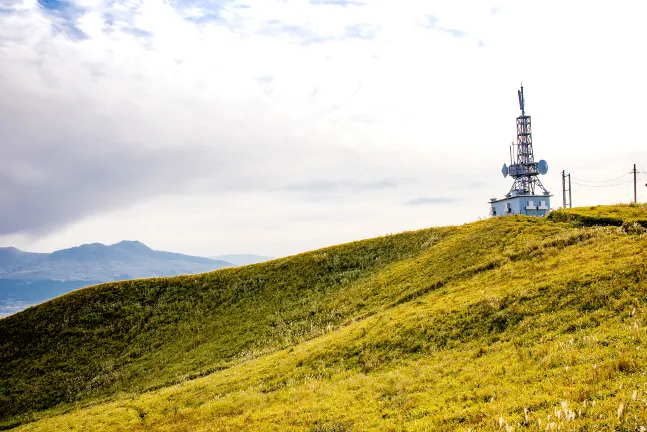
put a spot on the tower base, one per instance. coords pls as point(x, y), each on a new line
point(529, 205)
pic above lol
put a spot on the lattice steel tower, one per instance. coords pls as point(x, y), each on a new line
point(524, 170)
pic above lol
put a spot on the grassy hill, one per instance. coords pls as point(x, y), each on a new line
point(506, 323)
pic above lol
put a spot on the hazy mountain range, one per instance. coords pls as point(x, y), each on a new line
point(124, 260)
point(27, 278)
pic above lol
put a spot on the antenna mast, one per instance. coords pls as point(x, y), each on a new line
point(522, 198)
point(523, 168)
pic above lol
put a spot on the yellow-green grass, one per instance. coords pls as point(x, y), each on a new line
point(143, 334)
point(620, 211)
point(632, 217)
point(493, 325)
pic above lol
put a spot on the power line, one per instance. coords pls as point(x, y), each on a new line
point(634, 173)
point(603, 181)
point(599, 186)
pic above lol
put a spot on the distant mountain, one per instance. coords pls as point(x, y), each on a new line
point(27, 278)
point(242, 259)
point(98, 262)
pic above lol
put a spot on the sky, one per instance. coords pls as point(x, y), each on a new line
point(280, 126)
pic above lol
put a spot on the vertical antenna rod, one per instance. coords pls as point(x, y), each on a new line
point(522, 102)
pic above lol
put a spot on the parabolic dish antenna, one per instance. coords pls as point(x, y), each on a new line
point(504, 170)
point(542, 167)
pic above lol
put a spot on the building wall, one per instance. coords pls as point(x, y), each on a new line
point(531, 205)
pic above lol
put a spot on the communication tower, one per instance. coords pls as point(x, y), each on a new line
point(527, 195)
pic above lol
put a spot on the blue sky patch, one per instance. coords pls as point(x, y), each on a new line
point(64, 16)
point(210, 10)
point(53, 5)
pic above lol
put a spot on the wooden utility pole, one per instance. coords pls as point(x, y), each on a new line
point(570, 197)
point(563, 189)
point(635, 195)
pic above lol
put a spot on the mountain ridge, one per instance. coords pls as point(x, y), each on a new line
point(122, 258)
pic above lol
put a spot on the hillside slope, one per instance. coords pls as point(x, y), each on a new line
point(507, 322)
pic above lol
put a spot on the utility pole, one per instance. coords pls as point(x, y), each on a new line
point(635, 195)
point(563, 189)
point(570, 197)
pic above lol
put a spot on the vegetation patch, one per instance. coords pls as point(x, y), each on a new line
point(511, 323)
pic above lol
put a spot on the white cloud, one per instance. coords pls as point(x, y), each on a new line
point(251, 98)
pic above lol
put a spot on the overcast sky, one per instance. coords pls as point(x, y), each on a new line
point(278, 126)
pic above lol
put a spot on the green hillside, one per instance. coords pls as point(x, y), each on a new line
point(506, 323)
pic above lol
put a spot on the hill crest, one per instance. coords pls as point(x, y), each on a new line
point(493, 324)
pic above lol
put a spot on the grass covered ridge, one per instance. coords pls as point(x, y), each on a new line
point(631, 217)
point(511, 322)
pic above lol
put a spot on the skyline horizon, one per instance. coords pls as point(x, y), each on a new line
point(210, 255)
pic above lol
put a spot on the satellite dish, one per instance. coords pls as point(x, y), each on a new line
point(542, 166)
point(504, 170)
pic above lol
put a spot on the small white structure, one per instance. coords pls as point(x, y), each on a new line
point(523, 197)
point(530, 205)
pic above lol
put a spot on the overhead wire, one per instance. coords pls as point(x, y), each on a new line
point(611, 185)
point(603, 181)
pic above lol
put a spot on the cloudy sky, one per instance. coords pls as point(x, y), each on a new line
point(277, 126)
